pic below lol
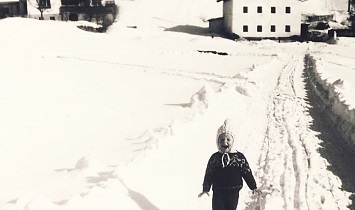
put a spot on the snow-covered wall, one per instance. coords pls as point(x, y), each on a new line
point(339, 113)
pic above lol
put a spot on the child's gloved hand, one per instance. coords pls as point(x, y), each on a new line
point(257, 192)
point(201, 194)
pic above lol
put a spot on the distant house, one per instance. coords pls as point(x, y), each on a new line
point(51, 12)
point(216, 24)
point(262, 18)
point(13, 8)
point(89, 10)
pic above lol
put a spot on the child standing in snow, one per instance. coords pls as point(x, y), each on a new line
point(225, 172)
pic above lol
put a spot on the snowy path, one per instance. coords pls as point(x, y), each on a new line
point(291, 172)
point(284, 113)
point(290, 168)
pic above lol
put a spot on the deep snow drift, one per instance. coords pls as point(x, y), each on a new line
point(127, 119)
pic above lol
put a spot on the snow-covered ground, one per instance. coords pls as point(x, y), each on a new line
point(128, 119)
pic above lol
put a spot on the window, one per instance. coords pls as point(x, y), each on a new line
point(273, 28)
point(245, 28)
point(287, 28)
point(288, 10)
point(273, 9)
point(6, 11)
point(73, 17)
point(245, 9)
point(259, 10)
point(259, 28)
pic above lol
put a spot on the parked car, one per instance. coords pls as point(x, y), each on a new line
point(318, 35)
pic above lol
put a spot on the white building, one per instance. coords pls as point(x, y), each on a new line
point(48, 14)
point(262, 18)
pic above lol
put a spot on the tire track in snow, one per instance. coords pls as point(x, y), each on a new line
point(209, 77)
point(282, 146)
point(299, 154)
point(293, 175)
point(285, 110)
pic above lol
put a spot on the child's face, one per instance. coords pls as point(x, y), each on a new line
point(225, 142)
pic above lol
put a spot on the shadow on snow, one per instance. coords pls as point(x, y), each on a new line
point(139, 198)
point(193, 30)
point(333, 147)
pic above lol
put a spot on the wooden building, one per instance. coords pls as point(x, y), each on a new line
point(13, 8)
point(89, 10)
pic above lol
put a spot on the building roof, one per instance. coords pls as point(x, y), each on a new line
point(8, 1)
point(215, 19)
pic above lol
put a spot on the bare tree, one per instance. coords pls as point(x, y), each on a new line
point(41, 5)
point(351, 6)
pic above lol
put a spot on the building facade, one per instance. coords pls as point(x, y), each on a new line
point(13, 8)
point(262, 18)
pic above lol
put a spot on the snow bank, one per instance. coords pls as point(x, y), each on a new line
point(331, 100)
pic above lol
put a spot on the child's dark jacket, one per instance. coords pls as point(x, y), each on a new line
point(230, 176)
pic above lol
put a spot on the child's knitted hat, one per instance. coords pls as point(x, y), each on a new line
point(226, 128)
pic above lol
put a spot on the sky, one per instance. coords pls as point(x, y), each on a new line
point(128, 119)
